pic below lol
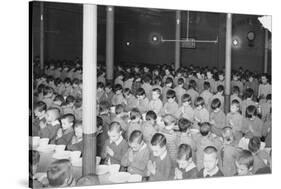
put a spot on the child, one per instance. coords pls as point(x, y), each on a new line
point(119, 79)
point(121, 117)
point(252, 125)
point(131, 100)
point(65, 134)
point(157, 84)
point(40, 109)
point(220, 81)
point(220, 96)
point(68, 106)
point(171, 106)
point(192, 91)
point(78, 109)
point(135, 122)
point(48, 96)
point(76, 92)
point(248, 100)
point(58, 101)
point(234, 119)
point(186, 169)
point(51, 82)
point(100, 92)
point(34, 158)
point(149, 126)
point(206, 94)
point(156, 104)
point(210, 162)
point(77, 139)
point(166, 88)
point(50, 128)
point(235, 94)
point(59, 174)
point(137, 156)
point(201, 114)
point(217, 117)
point(115, 147)
point(160, 164)
point(60, 88)
point(180, 90)
point(265, 107)
point(264, 87)
point(244, 163)
point(147, 87)
point(142, 101)
point(128, 81)
point(237, 83)
point(108, 93)
point(170, 122)
point(253, 84)
point(118, 97)
point(186, 110)
point(68, 87)
point(211, 81)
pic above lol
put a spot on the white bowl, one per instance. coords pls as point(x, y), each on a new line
point(114, 168)
point(98, 159)
point(135, 178)
point(75, 155)
point(46, 149)
point(77, 162)
point(60, 148)
point(119, 177)
point(102, 169)
point(43, 142)
point(62, 155)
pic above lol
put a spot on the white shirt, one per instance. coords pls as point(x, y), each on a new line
point(205, 173)
point(118, 141)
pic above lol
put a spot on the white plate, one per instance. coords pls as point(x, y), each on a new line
point(46, 149)
point(77, 162)
point(62, 155)
point(102, 169)
point(119, 177)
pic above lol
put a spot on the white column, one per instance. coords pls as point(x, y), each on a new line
point(178, 34)
point(109, 42)
point(89, 87)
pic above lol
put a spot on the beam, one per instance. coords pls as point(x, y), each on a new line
point(109, 42)
point(41, 35)
point(228, 61)
point(265, 51)
point(89, 88)
point(178, 35)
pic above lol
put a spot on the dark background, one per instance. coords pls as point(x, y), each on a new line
point(63, 36)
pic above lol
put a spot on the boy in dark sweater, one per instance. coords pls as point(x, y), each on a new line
point(77, 139)
point(65, 134)
point(186, 169)
point(244, 163)
point(160, 164)
point(210, 163)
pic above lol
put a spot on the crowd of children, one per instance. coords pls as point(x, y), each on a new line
point(159, 122)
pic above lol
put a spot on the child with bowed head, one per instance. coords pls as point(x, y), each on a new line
point(66, 132)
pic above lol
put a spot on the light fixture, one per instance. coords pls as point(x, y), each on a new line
point(154, 38)
point(128, 43)
point(235, 42)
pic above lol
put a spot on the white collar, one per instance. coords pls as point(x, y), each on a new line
point(54, 123)
point(143, 147)
point(163, 155)
point(190, 166)
point(118, 141)
point(205, 173)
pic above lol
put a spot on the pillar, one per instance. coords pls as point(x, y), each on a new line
point(228, 61)
point(109, 43)
point(41, 35)
point(265, 51)
point(178, 35)
point(89, 88)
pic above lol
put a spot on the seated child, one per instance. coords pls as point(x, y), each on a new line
point(118, 97)
point(236, 83)
point(264, 87)
point(78, 109)
point(134, 123)
point(160, 164)
point(147, 86)
point(170, 122)
point(59, 174)
point(201, 114)
point(142, 101)
point(220, 96)
point(76, 92)
point(234, 119)
point(121, 117)
point(265, 107)
point(48, 96)
point(186, 111)
point(40, 109)
point(156, 104)
point(77, 139)
point(131, 100)
point(100, 92)
point(137, 156)
point(192, 91)
point(249, 93)
point(68, 87)
point(252, 125)
point(171, 106)
point(68, 106)
point(186, 168)
point(115, 147)
point(210, 163)
point(206, 94)
point(166, 88)
point(108, 93)
point(235, 94)
point(50, 128)
point(244, 163)
point(58, 101)
point(60, 88)
point(88, 180)
point(217, 117)
point(149, 126)
point(66, 132)
point(180, 90)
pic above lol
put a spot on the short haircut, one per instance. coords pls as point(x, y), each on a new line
point(220, 88)
point(50, 79)
point(158, 139)
point(88, 180)
point(58, 81)
point(192, 84)
point(249, 93)
point(236, 103)
point(216, 103)
point(184, 124)
point(180, 81)
point(254, 144)
point(67, 80)
point(115, 126)
point(140, 92)
point(78, 123)
point(199, 101)
point(108, 85)
point(75, 81)
point(58, 172)
point(119, 109)
point(104, 105)
point(251, 111)
point(150, 115)
point(171, 118)
point(59, 98)
point(146, 79)
point(127, 91)
point(136, 135)
point(207, 85)
point(69, 99)
point(171, 94)
point(40, 106)
point(186, 98)
point(118, 87)
point(47, 90)
point(169, 80)
point(69, 117)
point(100, 85)
point(78, 103)
point(205, 128)
point(245, 158)
point(210, 150)
point(184, 150)
point(235, 90)
point(135, 112)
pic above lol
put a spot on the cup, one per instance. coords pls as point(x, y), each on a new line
point(43, 142)
point(75, 155)
point(59, 148)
